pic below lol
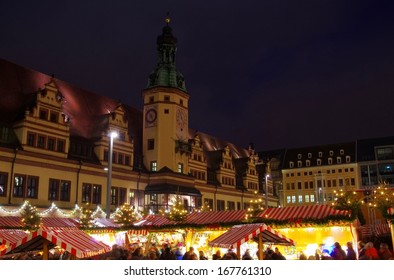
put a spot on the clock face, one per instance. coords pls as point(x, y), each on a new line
point(150, 116)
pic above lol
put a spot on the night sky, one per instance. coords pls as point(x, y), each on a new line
point(280, 74)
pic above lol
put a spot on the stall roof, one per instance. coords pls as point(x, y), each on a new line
point(213, 217)
point(302, 212)
point(59, 222)
point(154, 220)
point(104, 222)
point(73, 240)
point(242, 233)
point(11, 236)
point(10, 222)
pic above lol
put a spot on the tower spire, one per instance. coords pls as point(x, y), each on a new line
point(165, 74)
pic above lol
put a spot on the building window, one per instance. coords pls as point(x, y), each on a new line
point(220, 205)
point(43, 114)
point(329, 160)
point(347, 159)
point(60, 146)
point(384, 153)
point(299, 156)
point(151, 99)
point(320, 154)
point(291, 164)
point(31, 139)
point(230, 205)
point(53, 191)
point(3, 184)
point(65, 189)
point(166, 111)
point(299, 185)
point(19, 185)
point(25, 186)
point(352, 181)
point(340, 182)
point(4, 133)
point(341, 151)
point(339, 160)
point(288, 199)
point(166, 98)
point(41, 141)
point(293, 199)
point(51, 144)
point(153, 166)
point(318, 161)
point(181, 101)
point(308, 163)
point(96, 197)
point(54, 117)
point(309, 155)
point(180, 167)
point(151, 144)
point(86, 193)
point(331, 153)
point(328, 183)
point(300, 199)
point(312, 198)
point(307, 198)
point(120, 158)
point(208, 203)
point(127, 160)
point(299, 163)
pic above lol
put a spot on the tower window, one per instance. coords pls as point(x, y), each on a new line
point(153, 166)
point(43, 115)
point(166, 98)
point(151, 144)
point(180, 168)
point(166, 111)
point(151, 99)
point(181, 101)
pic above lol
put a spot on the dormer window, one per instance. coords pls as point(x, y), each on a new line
point(347, 159)
point(308, 163)
point(331, 153)
point(299, 156)
point(320, 154)
point(329, 160)
point(342, 152)
point(339, 160)
point(299, 163)
point(318, 161)
point(291, 164)
point(309, 155)
point(43, 114)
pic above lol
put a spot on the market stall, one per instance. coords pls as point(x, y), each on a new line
point(76, 242)
point(10, 237)
point(314, 227)
point(240, 234)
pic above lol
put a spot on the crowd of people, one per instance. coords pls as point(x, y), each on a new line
point(365, 251)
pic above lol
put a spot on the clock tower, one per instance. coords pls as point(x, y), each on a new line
point(165, 120)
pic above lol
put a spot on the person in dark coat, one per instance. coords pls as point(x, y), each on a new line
point(350, 254)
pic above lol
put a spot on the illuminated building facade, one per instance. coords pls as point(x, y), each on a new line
point(54, 145)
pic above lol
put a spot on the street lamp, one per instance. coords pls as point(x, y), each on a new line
point(266, 191)
point(112, 135)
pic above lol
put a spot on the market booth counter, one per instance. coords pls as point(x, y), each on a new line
point(78, 243)
point(314, 227)
point(239, 234)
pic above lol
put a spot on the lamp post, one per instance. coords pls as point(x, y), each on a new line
point(112, 135)
point(266, 191)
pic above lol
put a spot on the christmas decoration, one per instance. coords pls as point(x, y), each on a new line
point(30, 216)
point(86, 219)
point(255, 207)
point(125, 215)
point(351, 201)
point(177, 212)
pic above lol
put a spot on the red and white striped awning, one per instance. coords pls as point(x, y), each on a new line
point(215, 217)
point(73, 240)
point(154, 220)
point(374, 230)
point(242, 233)
point(10, 222)
point(59, 222)
point(8, 237)
point(104, 222)
point(302, 212)
point(137, 232)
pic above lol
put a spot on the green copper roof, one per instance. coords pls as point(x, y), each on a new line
point(165, 74)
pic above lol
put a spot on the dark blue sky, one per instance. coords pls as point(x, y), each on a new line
point(279, 73)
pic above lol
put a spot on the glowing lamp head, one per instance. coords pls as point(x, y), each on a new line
point(113, 134)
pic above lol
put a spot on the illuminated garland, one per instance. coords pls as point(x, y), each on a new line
point(86, 219)
point(177, 212)
point(254, 209)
